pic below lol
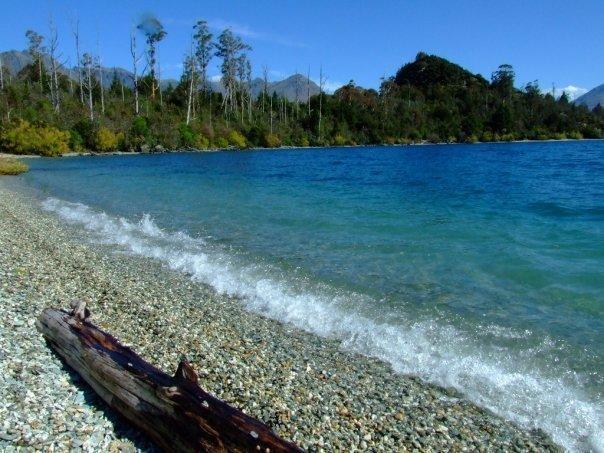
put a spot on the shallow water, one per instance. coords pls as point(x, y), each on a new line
point(475, 266)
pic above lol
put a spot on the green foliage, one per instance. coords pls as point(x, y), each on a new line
point(430, 70)
point(272, 141)
point(186, 136)
point(140, 127)
point(429, 99)
point(25, 138)
point(106, 140)
point(76, 143)
point(201, 142)
point(236, 139)
point(87, 130)
point(10, 166)
point(221, 143)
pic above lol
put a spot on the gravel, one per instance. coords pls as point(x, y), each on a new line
point(304, 387)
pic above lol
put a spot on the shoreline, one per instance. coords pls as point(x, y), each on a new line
point(304, 387)
point(286, 148)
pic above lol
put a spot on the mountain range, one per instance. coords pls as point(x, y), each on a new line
point(592, 98)
point(14, 61)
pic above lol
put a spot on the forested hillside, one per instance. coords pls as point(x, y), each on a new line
point(49, 109)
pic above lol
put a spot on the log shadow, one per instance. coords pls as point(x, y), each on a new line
point(123, 429)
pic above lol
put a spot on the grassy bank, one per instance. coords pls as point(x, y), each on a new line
point(10, 166)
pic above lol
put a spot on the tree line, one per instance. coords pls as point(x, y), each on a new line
point(49, 108)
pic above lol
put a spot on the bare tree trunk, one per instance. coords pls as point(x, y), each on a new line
point(100, 69)
point(297, 93)
point(90, 106)
point(70, 82)
point(134, 70)
point(174, 411)
point(321, 84)
point(191, 83)
point(161, 98)
point(265, 88)
point(123, 97)
point(308, 90)
point(76, 34)
point(1, 74)
point(54, 80)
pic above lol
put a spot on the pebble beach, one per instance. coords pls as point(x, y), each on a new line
point(306, 388)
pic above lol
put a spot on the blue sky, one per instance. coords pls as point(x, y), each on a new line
point(557, 42)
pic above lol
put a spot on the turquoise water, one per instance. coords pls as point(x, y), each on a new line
point(478, 266)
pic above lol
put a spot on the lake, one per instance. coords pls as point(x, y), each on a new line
point(473, 266)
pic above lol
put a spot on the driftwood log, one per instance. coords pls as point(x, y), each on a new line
point(172, 410)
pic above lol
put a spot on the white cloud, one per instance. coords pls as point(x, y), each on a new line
point(247, 32)
point(573, 92)
point(216, 78)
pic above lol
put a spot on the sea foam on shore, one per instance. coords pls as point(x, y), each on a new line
point(304, 387)
point(435, 352)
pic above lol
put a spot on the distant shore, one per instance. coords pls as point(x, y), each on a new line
point(285, 148)
point(303, 386)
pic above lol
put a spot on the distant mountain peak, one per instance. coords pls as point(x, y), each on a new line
point(592, 98)
point(15, 60)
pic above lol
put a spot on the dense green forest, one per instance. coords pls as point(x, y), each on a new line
point(49, 109)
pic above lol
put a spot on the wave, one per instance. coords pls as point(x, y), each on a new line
point(491, 377)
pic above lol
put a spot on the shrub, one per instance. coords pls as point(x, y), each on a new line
point(576, 135)
point(202, 142)
point(106, 140)
point(87, 130)
point(10, 166)
point(236, 139)
point(140, 128)
point(186, 136)
point(304, 142)
point(272, 141)
point(221, 142)
point(76, 143)
point(25, 138)
point(487, 136)
point(341, 140)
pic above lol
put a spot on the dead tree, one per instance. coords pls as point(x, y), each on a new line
point(135, 60)
point(100, 73)
point(76, 34)
point(172, 410)
point(1, 74)
point(87, 63)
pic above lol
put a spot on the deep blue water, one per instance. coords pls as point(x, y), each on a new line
point(478, 266)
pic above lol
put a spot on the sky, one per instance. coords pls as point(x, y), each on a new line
point(559, 43)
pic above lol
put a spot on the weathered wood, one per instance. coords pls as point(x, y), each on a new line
point(173, 411)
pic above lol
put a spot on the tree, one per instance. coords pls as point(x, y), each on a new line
point(154, 32)
point(189, 71)
point(203, 50)
point(100, 76)
point(76, 34)
point(35, 50)
point(503, 79)
point(87, 63)
point(1, 74)
point(53, 44)
point(135, 60)
point(229, 48)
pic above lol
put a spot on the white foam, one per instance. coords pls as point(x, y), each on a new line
point(439, 353)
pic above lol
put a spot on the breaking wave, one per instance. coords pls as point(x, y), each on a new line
point(502, 380)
